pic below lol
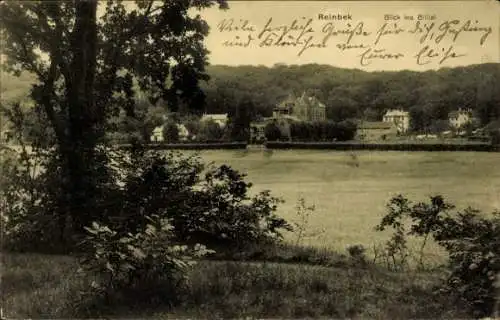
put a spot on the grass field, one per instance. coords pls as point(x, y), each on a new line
point(40, 286)
point(350, 190)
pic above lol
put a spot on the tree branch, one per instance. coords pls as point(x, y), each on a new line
point(47, 92)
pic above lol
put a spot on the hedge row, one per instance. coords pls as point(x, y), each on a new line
point(192, 146)
point(385, 146)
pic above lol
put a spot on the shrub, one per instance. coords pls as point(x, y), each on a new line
point(145, 263)
point(272, 132)
point(171, 132)
point(210, 131)
point(206, 204)
point(495, 137)
point(357, 253)
point(150, 207)
point(323, 131)
point(30, 201)
point(304, 213)
point(471, 239)
point(396, 249)
point(473, 243)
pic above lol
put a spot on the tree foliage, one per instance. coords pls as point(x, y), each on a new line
point(86, 66)
point(272, 132)
point(210, 131)
point(348, 94)
point(471, 239)
point(171, 132)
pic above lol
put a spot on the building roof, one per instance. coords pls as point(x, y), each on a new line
point(372, 125)
point(215, 117)
point(311, 100)
point(303, 99)
point(158, 130)
point(288, 117)
point(456, 113)
point(393, 113)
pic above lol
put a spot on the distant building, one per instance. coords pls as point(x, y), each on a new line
point(157, 134)
point(400, 118)
point(376, 131)
point(459, 118)
point(220, 119)
point(183, 132)
point(304, 108)
point(257, 131)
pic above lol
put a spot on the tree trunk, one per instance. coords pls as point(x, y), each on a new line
point(78, 149)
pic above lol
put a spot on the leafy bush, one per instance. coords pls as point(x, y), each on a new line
point(171, 132)
point(146, 262)
point(210, 131)
point(206, 204)
point(272, 132)
point(357, 253)
point(473, 243)
point(471, 239)
point(29, 201)
point(150, 209)
point(323, 131)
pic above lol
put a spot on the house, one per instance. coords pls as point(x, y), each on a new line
point(220, 119)
point(157, 134)
point(183, 132)
point(399, 118)
point(304, 108)
point(459, 118)
point(257, 131)
point(376, 131)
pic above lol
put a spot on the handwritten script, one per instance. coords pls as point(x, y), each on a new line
point(436, 39)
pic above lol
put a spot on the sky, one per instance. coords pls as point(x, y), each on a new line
point(459, 33)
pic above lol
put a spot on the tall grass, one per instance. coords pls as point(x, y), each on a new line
point(39, 286)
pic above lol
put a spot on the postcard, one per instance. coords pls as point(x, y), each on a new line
point(250, 159)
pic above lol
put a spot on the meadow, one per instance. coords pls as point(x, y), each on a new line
point(350, 190)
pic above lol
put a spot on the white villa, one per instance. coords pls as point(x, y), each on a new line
point(157, 135)
point(220, 119)
point(457, 119)
point(400, 118)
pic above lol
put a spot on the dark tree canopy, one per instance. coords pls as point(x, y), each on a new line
point(348, 94)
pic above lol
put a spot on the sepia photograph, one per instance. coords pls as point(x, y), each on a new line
point(229, 159)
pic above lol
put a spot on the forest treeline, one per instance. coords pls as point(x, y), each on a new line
point(249, 92)
point(352, 93)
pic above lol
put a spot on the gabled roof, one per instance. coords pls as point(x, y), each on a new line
point(158, 130)
point(215, 117)
point(456, 113)
point(398, 113)
point(304, 98)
